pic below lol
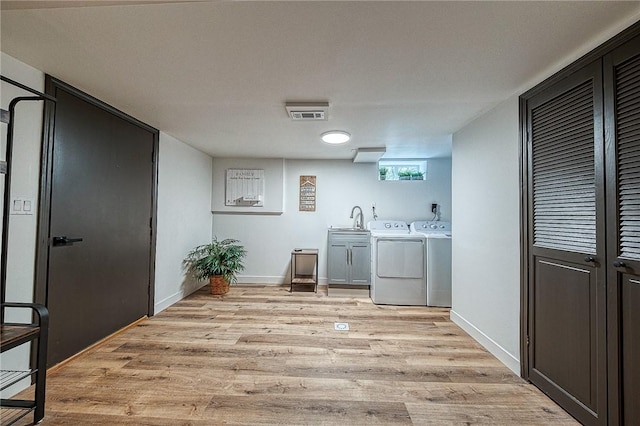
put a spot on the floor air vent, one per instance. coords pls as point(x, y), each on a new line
point(341, 326)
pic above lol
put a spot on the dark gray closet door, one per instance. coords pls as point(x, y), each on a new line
point(567, 321)
point(101, 192)
point(622, 97)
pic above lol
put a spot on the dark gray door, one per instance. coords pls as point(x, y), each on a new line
point(102, 186)
point(567, 316)
point(622, 97)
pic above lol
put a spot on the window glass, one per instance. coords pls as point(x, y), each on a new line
point(412, 169)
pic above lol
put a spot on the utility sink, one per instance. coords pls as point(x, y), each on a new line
point(347, 229)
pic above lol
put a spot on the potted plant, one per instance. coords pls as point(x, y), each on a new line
point(383, 173)
point(404, 174)
point(219, 261)
point(416, 175)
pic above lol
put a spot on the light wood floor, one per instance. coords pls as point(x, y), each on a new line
point(260, 355)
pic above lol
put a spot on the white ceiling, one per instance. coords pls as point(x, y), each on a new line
point(216, 74)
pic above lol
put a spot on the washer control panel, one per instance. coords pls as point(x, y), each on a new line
point(431, 226)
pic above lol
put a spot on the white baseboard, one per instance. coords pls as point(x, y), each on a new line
point(275, 280)
point(174, 298)
point(489, 344)
point(256, 279)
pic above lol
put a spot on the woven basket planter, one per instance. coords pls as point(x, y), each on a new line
point(218, 285)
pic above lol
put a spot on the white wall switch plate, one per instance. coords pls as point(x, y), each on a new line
point(22, 206)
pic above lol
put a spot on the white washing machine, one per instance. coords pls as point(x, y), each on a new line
point(438, 235)
point(398, 264)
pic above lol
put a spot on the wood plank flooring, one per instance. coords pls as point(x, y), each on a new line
point(263, 356)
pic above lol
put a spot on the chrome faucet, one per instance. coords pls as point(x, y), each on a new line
point(357, 224)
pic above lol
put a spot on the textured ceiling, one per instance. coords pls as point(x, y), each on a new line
point(216, 74)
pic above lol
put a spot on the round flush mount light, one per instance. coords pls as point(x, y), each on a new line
point(336, 137)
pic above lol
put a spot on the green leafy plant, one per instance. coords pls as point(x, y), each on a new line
point(383, 173)
point(417, 175)
point(216, 258)
point(404, 173)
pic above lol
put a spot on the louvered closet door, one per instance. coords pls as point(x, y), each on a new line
point(622, 100)
point(567, 319)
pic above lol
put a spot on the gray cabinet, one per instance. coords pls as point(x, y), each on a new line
point(349, 258)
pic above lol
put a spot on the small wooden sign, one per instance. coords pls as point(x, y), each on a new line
point(307, 194)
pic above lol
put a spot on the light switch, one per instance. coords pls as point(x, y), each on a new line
point(22, 206)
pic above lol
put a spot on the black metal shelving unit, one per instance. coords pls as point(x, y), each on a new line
point(13, 334)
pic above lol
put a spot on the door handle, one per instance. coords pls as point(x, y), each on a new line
point(64, 241)
point(589, 259)
point(619, 264)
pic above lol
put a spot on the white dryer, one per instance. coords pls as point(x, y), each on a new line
point(398, 264)
point(438, 235)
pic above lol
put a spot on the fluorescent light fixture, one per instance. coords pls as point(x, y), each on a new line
point(369, 155)
point(336, 137)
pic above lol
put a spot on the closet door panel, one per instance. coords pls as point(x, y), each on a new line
point(630, 349)
point(622, 123)
point(567, 322)
point(565, 303)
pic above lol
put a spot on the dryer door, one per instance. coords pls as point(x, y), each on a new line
point(400, 258)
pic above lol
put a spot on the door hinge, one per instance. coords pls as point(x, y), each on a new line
point(528, 341)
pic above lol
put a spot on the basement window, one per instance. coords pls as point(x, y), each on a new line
point(410, 169)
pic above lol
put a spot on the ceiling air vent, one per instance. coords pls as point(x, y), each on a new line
point(307, 115)
point(308, 111)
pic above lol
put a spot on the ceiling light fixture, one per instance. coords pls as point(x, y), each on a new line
point(336, 137)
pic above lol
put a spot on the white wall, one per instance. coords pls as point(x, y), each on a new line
point(486, 248)
point(341, 185)
point(25, 183)
point(184, 216)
